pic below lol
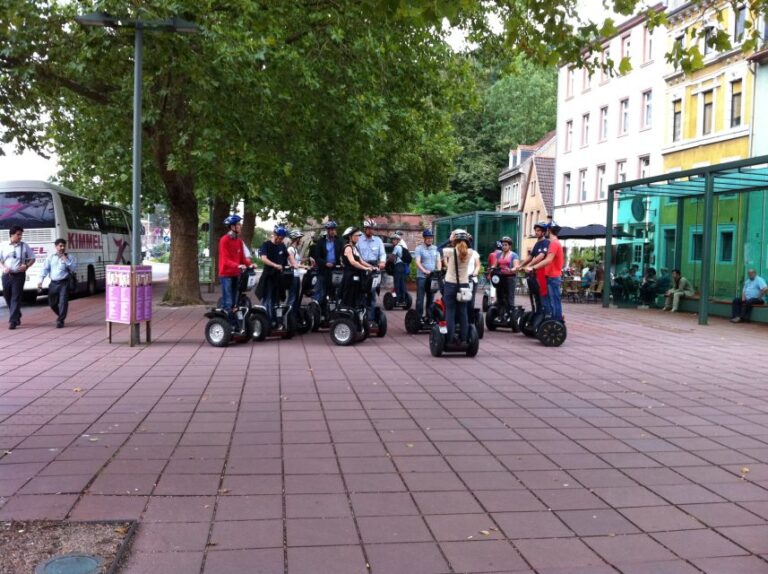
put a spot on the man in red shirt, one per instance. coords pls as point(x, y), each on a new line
point(552, 265)
point(232, 260)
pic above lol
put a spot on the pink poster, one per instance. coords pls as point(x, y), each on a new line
point(143, 293)
point(118, 293)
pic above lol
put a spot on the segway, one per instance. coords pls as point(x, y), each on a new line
point(475, 314)
point(350, 325)
point(284, 323)
point(534, 323)
point(391, 301)
point(415, 324)
point(498, 315)
point(219, 330)
point(438, 337)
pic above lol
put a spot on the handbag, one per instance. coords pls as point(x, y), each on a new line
point(71, 282)
point(464, 294)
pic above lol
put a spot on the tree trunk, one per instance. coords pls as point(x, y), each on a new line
point(220, 213)
point(249, 225)
point(183, 279)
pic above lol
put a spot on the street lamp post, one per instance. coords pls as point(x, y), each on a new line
point(177, 25)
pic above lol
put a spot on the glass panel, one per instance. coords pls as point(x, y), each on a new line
point(29, 209)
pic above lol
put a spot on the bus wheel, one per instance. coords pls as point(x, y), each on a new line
point(91, 286)
point(29, 297)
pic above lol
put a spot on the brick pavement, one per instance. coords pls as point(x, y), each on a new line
point(644, 451)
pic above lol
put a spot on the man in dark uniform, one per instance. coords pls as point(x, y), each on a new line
point(327, 255)
point(537, 283)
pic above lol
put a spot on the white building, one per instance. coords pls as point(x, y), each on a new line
point(610, 127)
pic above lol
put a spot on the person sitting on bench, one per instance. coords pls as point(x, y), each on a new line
point(753, 293)
point(681, 287)
point(648, 289)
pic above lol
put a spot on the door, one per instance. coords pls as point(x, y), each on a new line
point(670, 236)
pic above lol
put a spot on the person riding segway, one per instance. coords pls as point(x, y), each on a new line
point(273, 316)
point(304, 314)
point(348, 320)
point(428, 279)
point(398, 265)
point(548, 324)
point(228, 323)
point(503, 277)
point(456, 333)
point(537, 281)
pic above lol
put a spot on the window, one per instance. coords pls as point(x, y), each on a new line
point(29, 209)
point(533, 188)
point(600, 182)
point(114, 220)
point(605, 58)
point(735, 103)
point(568, 135)
point(647, 45)
point(80, 215)
point(708, 102)
point(647, 109)
point(697, 244)
point(677, 119)
point(569, 83)
point(725, 245)
point(604, 123)
point(625, 46)
point(740, 18)
point(623, 116)
point(583, 185)
point(567, 188)
point(586, 79)
point(621, 171)
point(644, 167)
point(709, 36)
point(637, 254)
point(585, 129)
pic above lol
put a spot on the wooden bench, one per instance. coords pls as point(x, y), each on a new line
point(719, 307)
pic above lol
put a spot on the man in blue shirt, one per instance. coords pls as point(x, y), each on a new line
point(15, 258)
point(753, 293)
point(372, 252)
point(427, 260)
point(58, 266)
point(327, 256)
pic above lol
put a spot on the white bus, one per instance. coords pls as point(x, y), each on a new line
point(96, 234)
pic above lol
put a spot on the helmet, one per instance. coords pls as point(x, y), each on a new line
point(394, 236)
point(399, 233)
point(369, 223)
point(461, 235)
point(543, 225)
point(506, 239)
point(295, 234)
point(554, 228)
point(232, 220)
point(427, 233)
point(280, 231)
point(330, 224)
point(349, 231)
point(498, 244)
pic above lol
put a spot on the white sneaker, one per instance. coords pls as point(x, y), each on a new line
point(643, 307)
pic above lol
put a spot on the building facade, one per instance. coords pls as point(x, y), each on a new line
point(610, 126)
point(538, 198)
point(513, 179)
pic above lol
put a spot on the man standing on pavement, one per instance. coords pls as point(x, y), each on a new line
point(327, 256)
point(753, 293)
point(16, 257)
point(58, 266)
point(372, 252)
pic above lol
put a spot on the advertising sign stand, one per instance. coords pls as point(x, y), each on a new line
point(129, 300)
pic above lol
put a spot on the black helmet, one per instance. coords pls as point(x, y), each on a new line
point(506, 239)
point(543, 225)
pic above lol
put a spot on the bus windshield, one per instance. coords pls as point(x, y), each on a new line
point(29, 209)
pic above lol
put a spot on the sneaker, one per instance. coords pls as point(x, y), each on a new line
point(59, 324)
point(643, 307)
point(667, 309)
point(11, 326)
point(673, 310)
point(736, 320)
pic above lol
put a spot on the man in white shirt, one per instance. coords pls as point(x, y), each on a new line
point(16, 257)
point(58, 266)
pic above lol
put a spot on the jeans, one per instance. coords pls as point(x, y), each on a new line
point(229, 286)
point(322, 287)
point(13, 287)
point(270, 296)
point(400, 289)
point(421, 294)
point(508, 291)
point(742, 309)
point(553, 294)
point(294, 297)
point(58, 299)
point(454, 308)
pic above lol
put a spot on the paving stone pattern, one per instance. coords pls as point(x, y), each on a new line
point(643, 448)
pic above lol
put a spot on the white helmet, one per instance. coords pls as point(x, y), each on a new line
point(369, 223)
point(296, 234)
point(349, 231)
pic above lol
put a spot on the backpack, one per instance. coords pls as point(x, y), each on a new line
point(406, 256)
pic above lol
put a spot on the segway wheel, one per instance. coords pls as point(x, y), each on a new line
point(244, 301)
point(389, 301)
point(218, 332)
point(436, 341)
point(490, 318)
point(485, 303)
point(408, 301)
point(552, 333)
point(473, 344)
point(291, 326)
point(304, 323)
point(526, 324)
point(317, 316)
point(365, 332)
point(257, 325)
point(381, 319)
point(514, 323)
point(343, 332)
point(412, 321)
point(479, 323)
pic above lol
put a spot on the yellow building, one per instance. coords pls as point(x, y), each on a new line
point(708, 111)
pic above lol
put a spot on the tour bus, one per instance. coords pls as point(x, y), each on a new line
point(96, 234)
